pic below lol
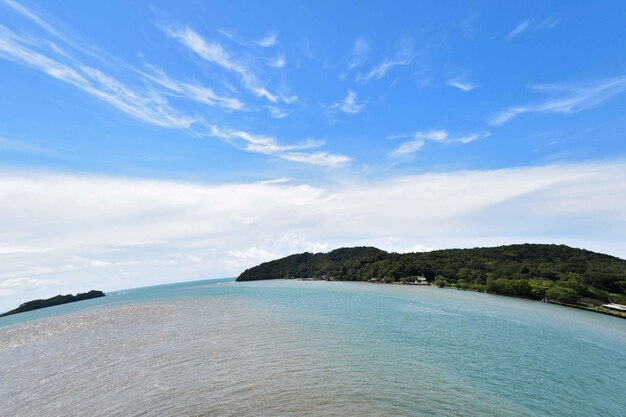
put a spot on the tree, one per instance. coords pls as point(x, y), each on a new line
point(439, 281)
point(563, 294)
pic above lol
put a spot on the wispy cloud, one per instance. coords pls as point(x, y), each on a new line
point(359, 53)
point(407, 148)
point(269, 145)
point(21, 250)
point(358, 56)
point(402, 57)
point(277, 62)
point(531, 25)
point(10, 286)
point(281, 180)
point(213, 52)
point(267, 41)
point(468, 26)
point(147, 106)
point(144, 95)
point(25, 147)
point(264, 144)
point(566, 99)
point(209, 51)
point(349, 104)
point(277, 112)
point(317, 158)
point(461, 84)
point(419, 139)
point(34, 18)
point(192, 91)
point(263, 92)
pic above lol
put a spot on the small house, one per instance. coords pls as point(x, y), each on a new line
point(421, 280)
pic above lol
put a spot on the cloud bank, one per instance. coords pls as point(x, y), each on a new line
point(65, 232)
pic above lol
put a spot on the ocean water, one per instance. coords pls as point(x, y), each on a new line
point(295, 348)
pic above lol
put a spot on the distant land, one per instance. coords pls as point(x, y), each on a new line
point(54, 301)
point(553, 273)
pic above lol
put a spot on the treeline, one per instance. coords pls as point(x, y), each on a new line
point(556, 272)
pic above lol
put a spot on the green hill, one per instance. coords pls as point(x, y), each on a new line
point(556, 272)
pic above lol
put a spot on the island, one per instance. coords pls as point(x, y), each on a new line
point(548, 272)
point(54, 301)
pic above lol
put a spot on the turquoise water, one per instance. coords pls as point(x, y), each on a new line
point(297, 348)
point(113, 298)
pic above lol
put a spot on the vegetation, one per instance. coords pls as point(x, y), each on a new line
point(556, 272)
point(59, 299)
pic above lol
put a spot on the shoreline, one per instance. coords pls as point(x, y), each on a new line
point(579, 307)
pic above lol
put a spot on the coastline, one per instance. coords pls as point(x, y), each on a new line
point(579, 307)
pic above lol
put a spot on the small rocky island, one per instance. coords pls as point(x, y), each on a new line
point(54, 301)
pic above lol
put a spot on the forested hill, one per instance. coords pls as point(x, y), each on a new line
point(537, 271)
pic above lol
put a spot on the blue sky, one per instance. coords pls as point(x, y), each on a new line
point(316, 100)
point(351, 79)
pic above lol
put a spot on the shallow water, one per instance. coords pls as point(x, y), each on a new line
point(293, 348)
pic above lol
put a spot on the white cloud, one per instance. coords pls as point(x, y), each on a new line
point(349, 104)
point(409, 148)
point(531, 25)
point(566, 99)
point(81, 215)
point(269, 145)
point(402, 57)
point(519, 29)
point(14, 285)
point(192, 91)
point(461, 85)
point(278, 62)
point(324, 159)
point(34, 18)
point(274, 181)
point(260, 143)
point(269, 40)
point(416, 248)
point(254, 254)
point(262, 92)
point(212, 51)
point(296, 243)
point(421, 248)
point(21, 250)
point(277, 112)
point(147, 106)
point(358, 55)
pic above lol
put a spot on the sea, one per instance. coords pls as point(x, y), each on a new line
point(311, 348)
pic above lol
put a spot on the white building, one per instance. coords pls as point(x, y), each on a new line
point(614, 306)
point(421, 281)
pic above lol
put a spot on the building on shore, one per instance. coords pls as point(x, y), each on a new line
point(421, 280)
point(614, 306)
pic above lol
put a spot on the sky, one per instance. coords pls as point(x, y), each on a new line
point(149, 142)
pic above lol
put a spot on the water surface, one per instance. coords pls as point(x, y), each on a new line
point(293, 348)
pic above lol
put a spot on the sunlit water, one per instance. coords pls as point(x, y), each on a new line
point(293, 348)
